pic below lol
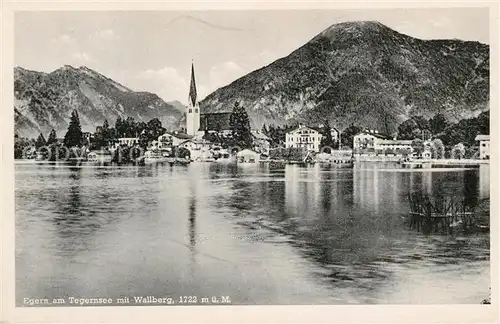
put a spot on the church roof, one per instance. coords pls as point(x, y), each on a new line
point(215, 121)
point(192, 88)
point(482, 137)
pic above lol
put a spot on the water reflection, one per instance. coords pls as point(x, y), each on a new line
point(74, 223)
point(192, 224)
point(320, 234)
point(484, 181)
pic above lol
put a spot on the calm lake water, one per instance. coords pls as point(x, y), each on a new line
point(294, 235)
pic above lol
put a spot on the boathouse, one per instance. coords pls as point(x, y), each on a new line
point(247, 156)
point(484, 146)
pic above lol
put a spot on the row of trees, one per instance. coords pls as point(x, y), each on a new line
point(129, 127)
point(145, 132)
point(103, 136)
point(450, 140)
point(465, 131)
point(419, 127)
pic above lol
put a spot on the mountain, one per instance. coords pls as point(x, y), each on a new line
point(177, 105)
point(45, 100)
point(367, 74)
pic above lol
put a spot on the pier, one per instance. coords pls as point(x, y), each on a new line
point(443, 163)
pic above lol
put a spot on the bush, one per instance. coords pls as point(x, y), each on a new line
point(458, 151)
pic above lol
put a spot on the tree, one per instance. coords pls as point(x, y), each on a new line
point(418, 146)
point(182, 152)
point(211, 137)
point(472, 152)
point(120, 127)
point(143, 140)
point(483, 122)
point(326, 139)
point(437, 124)
point(405, 152)
point(347, 136)
point(40, 141)
point(240, 127)
point(154, 129)
point(103, 135)
point(52, 137)
point(20, 146)
point(413, 128)
point(74, 135)
point(437, 149)
point(458, 151)
point(466, 130)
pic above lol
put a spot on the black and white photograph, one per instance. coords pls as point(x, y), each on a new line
point(252, 157)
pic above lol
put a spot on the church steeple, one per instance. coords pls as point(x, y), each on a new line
point(193, 109)
point(192, 87)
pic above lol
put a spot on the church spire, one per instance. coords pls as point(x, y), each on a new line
point(192, 88)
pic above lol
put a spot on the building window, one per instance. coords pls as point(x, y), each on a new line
point(196, 110)
point(190, 110)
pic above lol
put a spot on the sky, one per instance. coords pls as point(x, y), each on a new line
point(153, 50)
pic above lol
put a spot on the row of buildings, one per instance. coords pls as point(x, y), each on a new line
point(371, 145)
point(367, 145)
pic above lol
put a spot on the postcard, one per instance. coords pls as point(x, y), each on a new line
point(253, 162)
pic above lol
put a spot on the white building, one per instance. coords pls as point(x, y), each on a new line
point(198, 148)
point(371, 143)
point(308, 137)
point(129, 141)
point(484, 146)
point(168, 140)
point(388, 145)
point(247, 156)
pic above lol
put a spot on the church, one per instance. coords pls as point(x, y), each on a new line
point(197, 123)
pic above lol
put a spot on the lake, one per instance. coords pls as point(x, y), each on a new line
point(253, 234)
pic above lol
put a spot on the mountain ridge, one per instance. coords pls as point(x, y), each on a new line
point(363, 72)
point(44, 101)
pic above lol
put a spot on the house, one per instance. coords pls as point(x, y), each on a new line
point(199, 148)
point(261, 142)
point(370, 143)
point(172, 139)
point(396, 147)
point(128, 141)
point(196, 144)
point(484, 146)
point(307, 137)
point(247, 156)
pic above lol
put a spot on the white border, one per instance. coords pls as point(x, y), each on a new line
point(225, 314)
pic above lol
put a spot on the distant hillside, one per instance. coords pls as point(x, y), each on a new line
point(364, 73)
point(177, 105)
point(45, 100)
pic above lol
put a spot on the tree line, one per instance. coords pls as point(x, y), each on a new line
point(103, 136)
